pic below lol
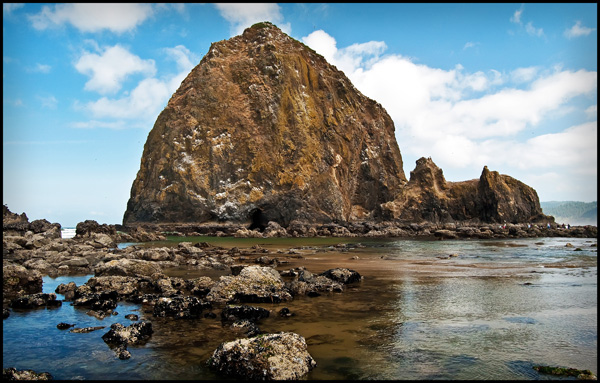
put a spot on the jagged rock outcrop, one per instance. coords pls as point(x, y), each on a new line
point(265, 132)
point(492, 198)
point(264, 129)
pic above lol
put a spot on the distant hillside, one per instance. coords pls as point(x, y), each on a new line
point(573, 212)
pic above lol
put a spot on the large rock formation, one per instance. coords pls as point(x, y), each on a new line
point(493, 197)
point(264, 129)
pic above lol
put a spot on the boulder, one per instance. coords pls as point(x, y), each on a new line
point(128, 267)
point(90, 227)
point(342, 275)
point(281, 356)
point(18, 280)
point(180, 307)
point(135, 333)
point(253, 284)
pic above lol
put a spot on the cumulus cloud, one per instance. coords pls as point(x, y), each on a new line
point(578, 30)
point(145, 101)
point(93, 17)
point(467, 120)
point(108, 70)
point(242, 15)
point(347, 59)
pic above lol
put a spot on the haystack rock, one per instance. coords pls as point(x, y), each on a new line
point(264, 129)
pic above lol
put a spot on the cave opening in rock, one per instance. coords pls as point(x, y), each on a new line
point(259, 221)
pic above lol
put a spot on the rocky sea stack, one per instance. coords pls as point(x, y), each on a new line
point(264, 129)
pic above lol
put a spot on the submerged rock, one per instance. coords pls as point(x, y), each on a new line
point(281, 356)
point(343, 275)
point(250, 313)
point(180, 307)
point(119, 337)
point(35, 300)
point(86, 329)
point(566, 372)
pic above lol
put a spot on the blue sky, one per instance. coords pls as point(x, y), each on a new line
point(508, 86)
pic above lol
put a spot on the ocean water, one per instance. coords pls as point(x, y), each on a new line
point(460, 309)
point(68, 232)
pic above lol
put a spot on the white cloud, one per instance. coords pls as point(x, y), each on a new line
point(470, 44)
point(516, 17)
point(467, 120)
point(243, 15)
point(529, 28)
point(347, 59)
point(578, 30)
point(8, 8)
point(523, 75)
point(108, 70)
point(93, 17)
point(145, 101)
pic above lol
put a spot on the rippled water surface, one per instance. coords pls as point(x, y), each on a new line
point(468, 309)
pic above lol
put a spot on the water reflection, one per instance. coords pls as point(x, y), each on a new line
point(491, 312)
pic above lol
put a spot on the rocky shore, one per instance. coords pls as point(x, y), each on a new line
point(136, 274)
point(367, 229)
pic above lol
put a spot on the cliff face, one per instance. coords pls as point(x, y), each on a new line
point(265, 129)
point(493, 198)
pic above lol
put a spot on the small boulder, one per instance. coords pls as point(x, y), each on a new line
point(281, 356)
point(180, 307)
point(342, 275)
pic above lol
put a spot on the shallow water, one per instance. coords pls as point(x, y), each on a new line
point(468, 309)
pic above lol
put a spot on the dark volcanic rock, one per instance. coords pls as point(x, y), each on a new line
point(264, 129)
